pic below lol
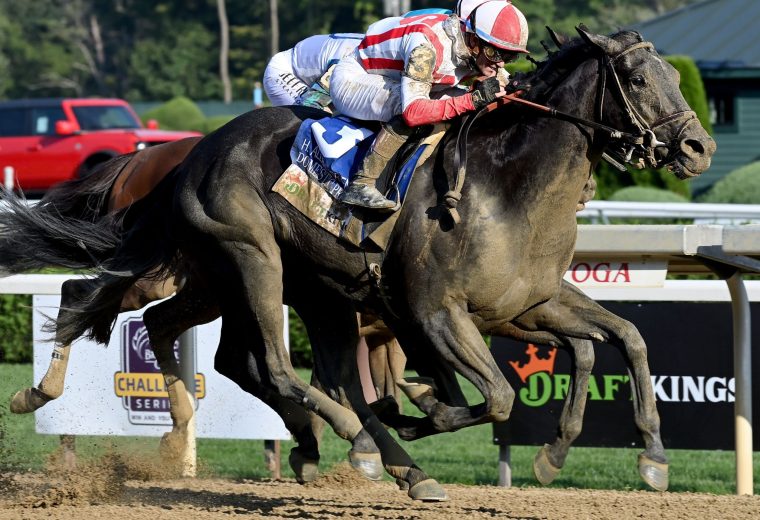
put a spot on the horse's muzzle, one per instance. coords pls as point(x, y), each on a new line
point(693, 157)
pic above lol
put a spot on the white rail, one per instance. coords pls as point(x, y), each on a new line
point(600, 211)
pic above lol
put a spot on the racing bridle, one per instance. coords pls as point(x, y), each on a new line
point(639, 146)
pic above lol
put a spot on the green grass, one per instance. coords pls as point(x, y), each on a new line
point(466, 457)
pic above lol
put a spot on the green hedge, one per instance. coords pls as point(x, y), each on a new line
point(646, 194)
point(178, 114)
point(212, 123)
point(182, 113)
point(15, 328)
point(741, 186)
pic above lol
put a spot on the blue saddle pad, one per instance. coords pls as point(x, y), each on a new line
point(331, 150)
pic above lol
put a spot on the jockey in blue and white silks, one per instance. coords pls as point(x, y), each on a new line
point(291, 73)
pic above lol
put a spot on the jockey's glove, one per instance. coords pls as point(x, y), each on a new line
point(516, 85)
point(315, 97)
point(484, 92)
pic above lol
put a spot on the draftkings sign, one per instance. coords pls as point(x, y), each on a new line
point(690, 353)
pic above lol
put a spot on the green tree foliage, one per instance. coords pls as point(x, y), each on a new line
point(741, 186)
point(158, 49)
point(182, 68)
point(15, 328)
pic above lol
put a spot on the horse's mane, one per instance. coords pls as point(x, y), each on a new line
point(558, 64)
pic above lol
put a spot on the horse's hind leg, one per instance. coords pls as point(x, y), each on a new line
point(252, 309)
point(574, 314)
point(165, 322)
point(333, 334)
point(51, 385)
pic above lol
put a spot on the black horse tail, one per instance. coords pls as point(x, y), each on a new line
point(64, 229)
point(146, 251)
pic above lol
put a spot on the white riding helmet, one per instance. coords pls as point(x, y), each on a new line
point(465, 7)
point(498, 23)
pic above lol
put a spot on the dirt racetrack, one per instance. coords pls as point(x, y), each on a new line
point(101, 491)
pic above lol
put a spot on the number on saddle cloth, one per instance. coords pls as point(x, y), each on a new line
point(331, 150)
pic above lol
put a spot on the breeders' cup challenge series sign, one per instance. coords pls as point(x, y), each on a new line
point(119, 390)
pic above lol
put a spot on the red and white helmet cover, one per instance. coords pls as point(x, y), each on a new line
point(500, 24)
point(465, 7)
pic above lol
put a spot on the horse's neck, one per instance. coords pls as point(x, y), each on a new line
point(554, 157)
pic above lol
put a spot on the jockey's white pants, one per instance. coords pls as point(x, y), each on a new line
point(361, 95)
point(280, 83)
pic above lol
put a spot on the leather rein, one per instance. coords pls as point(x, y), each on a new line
point(644, 141)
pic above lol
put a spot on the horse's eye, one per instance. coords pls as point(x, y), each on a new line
point(638, 81)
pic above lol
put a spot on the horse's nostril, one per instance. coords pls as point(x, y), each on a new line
point(692, 146)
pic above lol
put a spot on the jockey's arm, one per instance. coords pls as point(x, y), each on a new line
point(416, 83)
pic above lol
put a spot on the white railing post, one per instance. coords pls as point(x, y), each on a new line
point(187, 372)
point(9, 178)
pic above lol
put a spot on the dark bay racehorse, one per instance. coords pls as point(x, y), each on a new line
point(497, 271)
point(123, 180)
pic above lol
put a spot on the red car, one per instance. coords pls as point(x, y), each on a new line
point(52, 140)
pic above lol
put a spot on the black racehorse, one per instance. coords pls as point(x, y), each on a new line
point(442, 285)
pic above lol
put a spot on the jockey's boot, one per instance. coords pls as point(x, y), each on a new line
point(362, 191)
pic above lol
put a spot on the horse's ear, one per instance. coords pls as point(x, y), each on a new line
point(558, 39)
point(605, 43)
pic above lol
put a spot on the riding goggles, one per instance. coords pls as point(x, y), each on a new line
point(495, 55)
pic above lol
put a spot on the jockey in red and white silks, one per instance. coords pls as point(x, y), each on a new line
point(371, 84)
point(404, 64)
point(411, 67)
point(290, 73)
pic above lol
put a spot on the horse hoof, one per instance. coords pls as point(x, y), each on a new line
point(654, 473)
point(368, 464)
point(28, 400)
point(306, 470)
point(171, 446)
point(428, 490)
point(403, 485)
point(544, 470)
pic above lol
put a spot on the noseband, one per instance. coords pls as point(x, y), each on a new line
point(645, 142)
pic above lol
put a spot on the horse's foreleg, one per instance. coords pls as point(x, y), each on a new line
point(551, 457)
point(51, 385)
point(456, 339)
point(165, 322)
point(335, 366)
